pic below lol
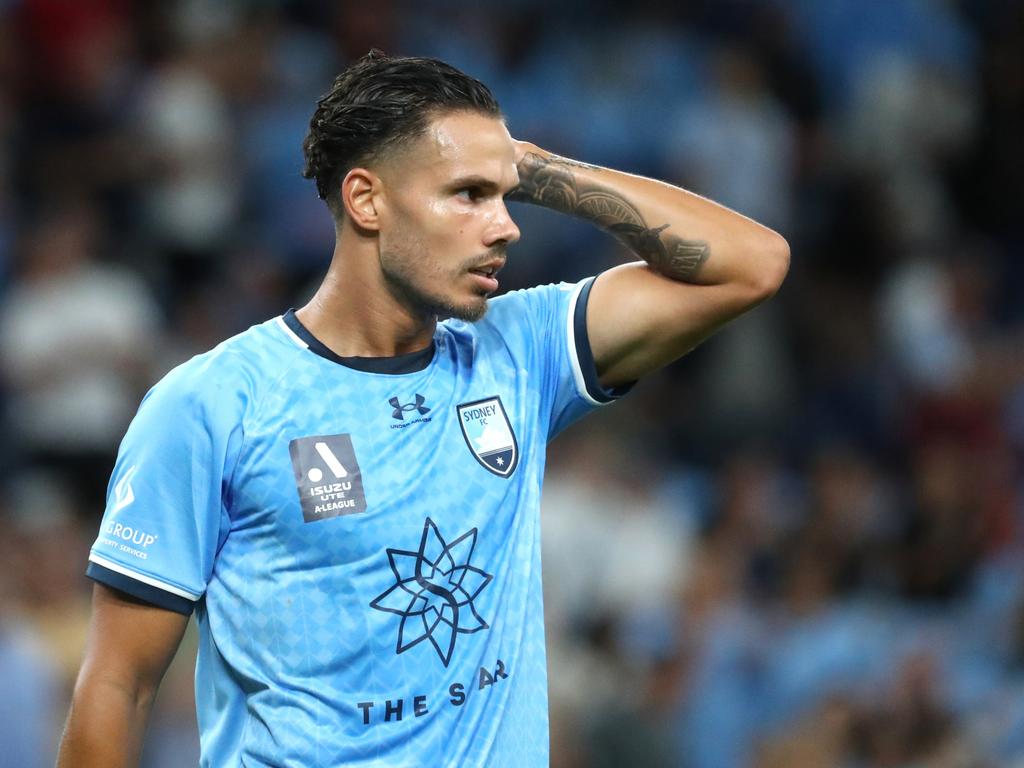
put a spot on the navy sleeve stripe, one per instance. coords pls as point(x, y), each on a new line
point(145, 592)
point(585, 356)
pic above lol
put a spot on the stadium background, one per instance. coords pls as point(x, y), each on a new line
point(800, 546)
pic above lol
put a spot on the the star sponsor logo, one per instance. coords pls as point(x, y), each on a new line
point(434, 591)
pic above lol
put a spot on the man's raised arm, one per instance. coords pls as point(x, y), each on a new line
point(703, 264)
point(130, 646)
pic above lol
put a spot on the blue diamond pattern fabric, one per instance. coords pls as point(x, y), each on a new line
point(367, 584)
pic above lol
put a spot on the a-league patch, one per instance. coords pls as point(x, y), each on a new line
point(489, 435)
point(327, 476)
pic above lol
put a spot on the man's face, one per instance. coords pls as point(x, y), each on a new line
point(444, 228)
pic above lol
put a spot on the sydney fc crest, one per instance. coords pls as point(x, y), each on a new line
point(489, 435)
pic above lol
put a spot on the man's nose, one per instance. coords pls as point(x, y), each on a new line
point(502, 228)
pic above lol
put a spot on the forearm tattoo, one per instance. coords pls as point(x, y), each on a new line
point(551, 182)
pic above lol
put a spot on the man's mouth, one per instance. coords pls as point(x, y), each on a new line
point(486, 274)
point(489, 269)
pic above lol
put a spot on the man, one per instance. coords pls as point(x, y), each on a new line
point(347, 495)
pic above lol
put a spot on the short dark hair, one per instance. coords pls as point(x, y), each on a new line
point(377, 103)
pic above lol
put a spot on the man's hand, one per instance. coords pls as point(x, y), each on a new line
point(522, 148)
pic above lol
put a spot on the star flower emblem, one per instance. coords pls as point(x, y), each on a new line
point(434, 591)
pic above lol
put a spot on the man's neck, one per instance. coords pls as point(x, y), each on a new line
point(355, 315)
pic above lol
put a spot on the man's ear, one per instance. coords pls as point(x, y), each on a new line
point(360, 193)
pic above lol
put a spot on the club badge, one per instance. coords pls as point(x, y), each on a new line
point(489, 436)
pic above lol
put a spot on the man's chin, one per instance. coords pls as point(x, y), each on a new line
point(470, 311)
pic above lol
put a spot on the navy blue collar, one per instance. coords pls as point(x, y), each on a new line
point(408, 363)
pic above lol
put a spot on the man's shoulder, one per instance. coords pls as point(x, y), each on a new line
point(516, 309)
point(237, 368)
point(522, 323)
point(525, 299)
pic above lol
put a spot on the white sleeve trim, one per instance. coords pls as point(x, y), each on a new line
point(117, 568)
point(570, 340)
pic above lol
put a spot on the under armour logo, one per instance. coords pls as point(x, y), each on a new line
point(401, 408)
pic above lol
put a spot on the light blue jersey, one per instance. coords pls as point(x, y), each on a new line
point(359, 537)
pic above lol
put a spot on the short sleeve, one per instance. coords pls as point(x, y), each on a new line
point(165, 516)
point(553, 319)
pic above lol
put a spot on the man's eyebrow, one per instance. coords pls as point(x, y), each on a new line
point(480, 182)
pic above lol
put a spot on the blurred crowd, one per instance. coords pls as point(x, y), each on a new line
point(800, 546)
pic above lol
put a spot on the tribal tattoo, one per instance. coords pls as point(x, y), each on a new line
point(551, 182)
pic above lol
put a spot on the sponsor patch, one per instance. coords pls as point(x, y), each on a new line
point(434, 590)
point(327, 476)
point(123, 492)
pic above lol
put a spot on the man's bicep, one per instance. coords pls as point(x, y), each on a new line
point(130, 647)
point(639, 321)
point(131, 643)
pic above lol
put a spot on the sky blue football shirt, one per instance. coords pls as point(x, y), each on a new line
point(358, 537)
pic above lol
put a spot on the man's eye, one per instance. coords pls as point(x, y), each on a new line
point(469, 193)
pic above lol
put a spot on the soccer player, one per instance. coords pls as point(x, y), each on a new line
point(347, 495)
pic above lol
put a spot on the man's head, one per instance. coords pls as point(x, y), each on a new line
point(413, 153)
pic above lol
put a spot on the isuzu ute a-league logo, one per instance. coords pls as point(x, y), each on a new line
point(434, 591)
point(327, 476)
point(489, 435)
